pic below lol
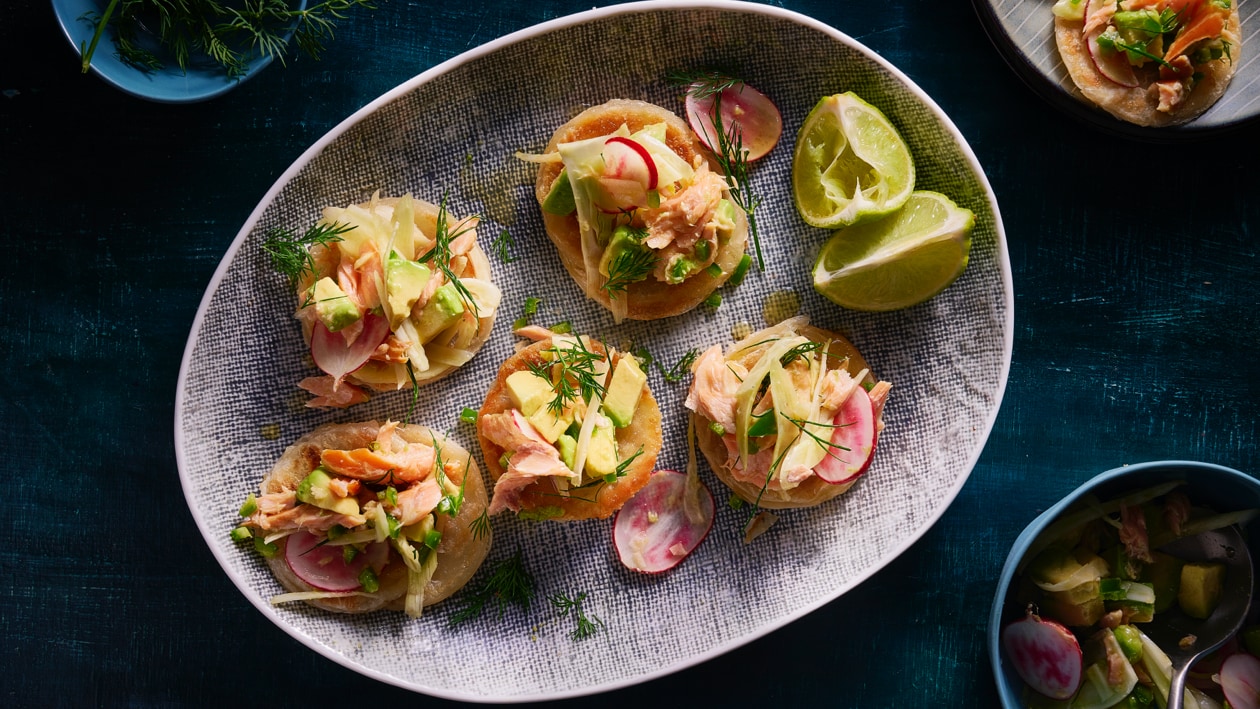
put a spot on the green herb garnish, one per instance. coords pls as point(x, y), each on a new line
point(468, 415)
point(249, 507)
point(628, 266)
point(501, 244)
point(440, 254)
point(704, 83)
point(575, 374)
point(291, 253)
point(531, 307)
point(451, 502)
point(741, 270)
point(481, 526)
point(229, 35)
point(564, 605)
point(680, 368)
point(509, 582)
point(368, 580)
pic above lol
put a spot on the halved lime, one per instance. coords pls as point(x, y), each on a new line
point(899, 261)
point(850, 164)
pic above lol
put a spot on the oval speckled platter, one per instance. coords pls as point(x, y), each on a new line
point(454, 130)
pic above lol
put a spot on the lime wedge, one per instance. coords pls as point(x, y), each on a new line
point(898, 261)
point(850, 164)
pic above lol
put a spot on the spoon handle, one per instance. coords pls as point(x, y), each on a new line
point(1177, 690)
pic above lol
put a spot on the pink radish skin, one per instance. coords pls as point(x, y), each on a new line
point(324, 567)
point(652, 532)
point(1240, 679)
point(626, 159)
point(1114, 66)
point(744, 109)
point(1045, 654)
point(336, 358)
point(852, 441)
point(526, 428)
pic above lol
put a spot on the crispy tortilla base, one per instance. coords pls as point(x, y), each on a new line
point(814, 490)
point(644, 431)
point(426, 216)
point(649, 299)
point(459, 553)
point(1138, 105)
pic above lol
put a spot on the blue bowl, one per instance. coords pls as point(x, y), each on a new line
point(204, 79)
point(1223, 489)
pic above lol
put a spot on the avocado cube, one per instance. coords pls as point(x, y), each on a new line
point(404, 282)
point(567, 446)
point(622, 396)
point(1077, 607)
point(1200, 588)
point(314, 490)
point(601, 452)
point(1165, 576)
point(623, 240)
point(528, 391)
point(560, 199)
point(332, 306)
point(549, 424)
point(442, 310)
point(1054, 565)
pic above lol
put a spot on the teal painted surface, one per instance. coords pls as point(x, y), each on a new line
point(1137, 292)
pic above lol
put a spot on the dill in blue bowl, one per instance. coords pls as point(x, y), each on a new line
point(193, 50)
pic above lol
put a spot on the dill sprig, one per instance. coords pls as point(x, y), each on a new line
point(729, 152)
point(565, 605)
point(229, 35)
point(799, 351)
point(440, 254)
point(629, 266)
point(291, 253)
point(502, 245)
point(824, 443)
point(733, 159)
point(451, 502)
point(509, 582)
point(572, 372)
point(680, 368)
point(703, 83)
point(481, 526)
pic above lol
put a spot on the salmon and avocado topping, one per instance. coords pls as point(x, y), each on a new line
point(364, 521)
point(566, 429)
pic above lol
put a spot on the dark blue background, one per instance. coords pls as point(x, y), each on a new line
point(1136, 338)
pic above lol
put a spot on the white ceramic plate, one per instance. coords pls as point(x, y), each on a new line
point(454, 129)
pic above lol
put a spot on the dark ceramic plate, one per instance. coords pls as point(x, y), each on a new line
point(1023, 31)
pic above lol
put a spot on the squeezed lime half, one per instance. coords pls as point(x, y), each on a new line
point(850, 164)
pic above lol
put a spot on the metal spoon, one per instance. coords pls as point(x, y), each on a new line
point(1172, 626)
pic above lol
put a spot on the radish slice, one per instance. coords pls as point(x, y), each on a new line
point(324, 566)
point(1045, 654)
point(335, 357)
point(627, 159)
point(744, 109)
point(1240, 679)
point(1114, 66)
point(652, 532)
point(852, 440)
point(526, 428)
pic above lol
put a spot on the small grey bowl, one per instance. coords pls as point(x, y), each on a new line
point(1223, 489)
